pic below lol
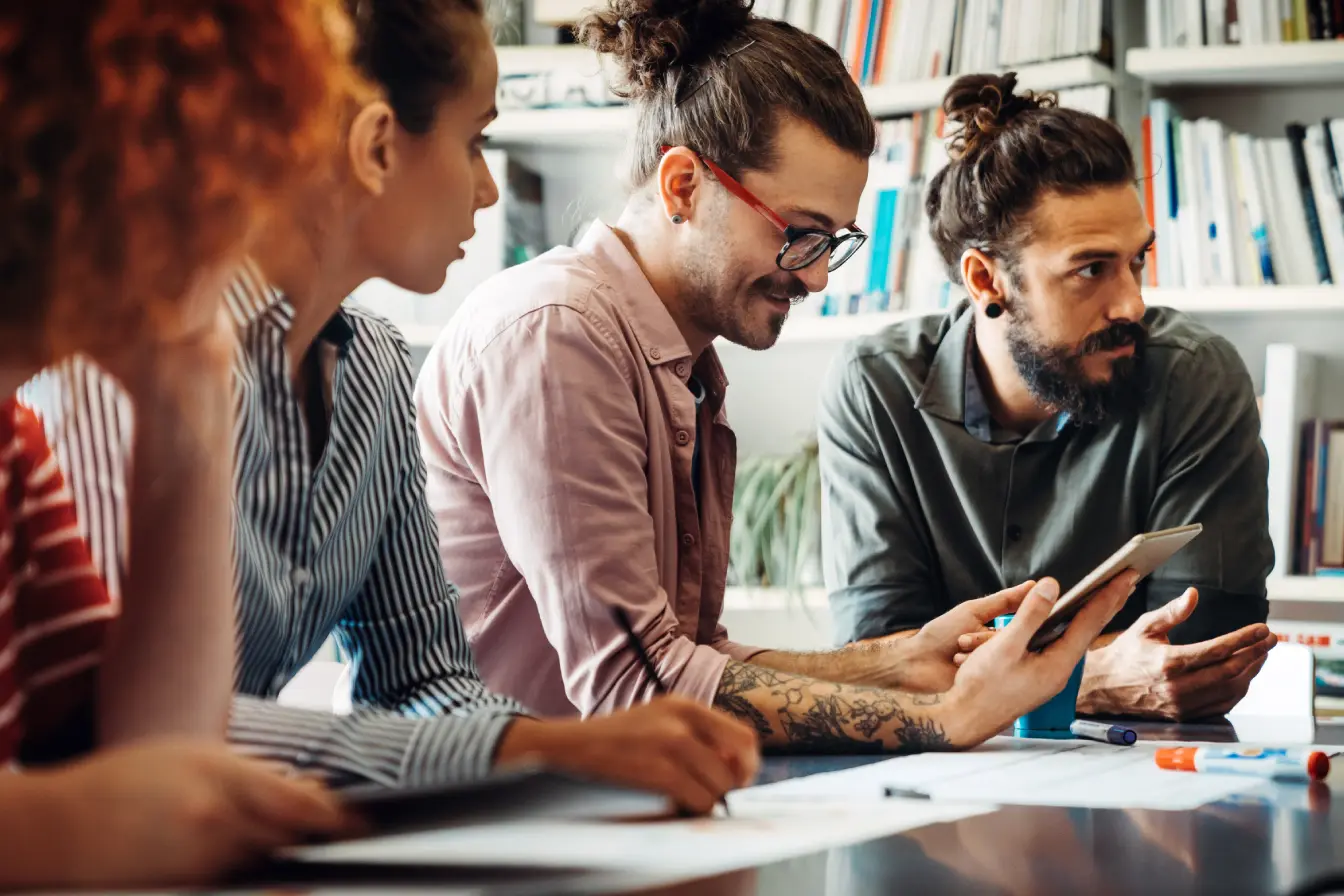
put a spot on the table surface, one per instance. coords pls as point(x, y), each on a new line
point(1291, 838)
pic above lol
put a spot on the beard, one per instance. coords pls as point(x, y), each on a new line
point(1055, 375)
point(714, 303)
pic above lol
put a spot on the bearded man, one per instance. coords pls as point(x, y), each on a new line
point(1047, 419)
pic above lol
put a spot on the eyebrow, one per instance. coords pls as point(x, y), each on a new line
point(823, 219)
point(1086, 255)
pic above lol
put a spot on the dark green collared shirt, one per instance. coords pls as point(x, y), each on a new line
point(927, 502)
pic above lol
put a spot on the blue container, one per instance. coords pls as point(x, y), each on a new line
point(1052, 718)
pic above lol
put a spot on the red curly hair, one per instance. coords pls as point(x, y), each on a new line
point(142, 141)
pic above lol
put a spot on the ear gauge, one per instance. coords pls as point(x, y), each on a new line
point(993, 310)
point(678, 219)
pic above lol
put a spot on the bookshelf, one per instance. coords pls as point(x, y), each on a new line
point(610, 126)
point(1308, 62)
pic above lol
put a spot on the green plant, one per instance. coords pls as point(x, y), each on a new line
point(776, 537)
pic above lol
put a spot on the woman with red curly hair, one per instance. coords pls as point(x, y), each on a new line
point(144, 143)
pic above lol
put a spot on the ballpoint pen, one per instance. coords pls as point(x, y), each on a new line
point(623, 620)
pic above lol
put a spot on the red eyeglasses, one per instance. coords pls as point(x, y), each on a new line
point(802, 245)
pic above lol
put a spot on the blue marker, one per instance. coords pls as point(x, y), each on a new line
point(1104, 732)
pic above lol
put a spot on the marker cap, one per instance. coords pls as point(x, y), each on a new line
point(1180, 759)
point(1318, 765)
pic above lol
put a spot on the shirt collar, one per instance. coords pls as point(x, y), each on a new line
point(250, 297)
point(953, 391)
point(655, 331)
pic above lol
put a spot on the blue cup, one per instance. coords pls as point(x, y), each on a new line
point(1053, 717)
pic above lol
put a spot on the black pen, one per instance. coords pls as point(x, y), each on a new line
point(623, 620)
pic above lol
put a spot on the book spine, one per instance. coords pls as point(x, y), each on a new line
point(1150, 274)
point(1332, 160)
point(1297, 135)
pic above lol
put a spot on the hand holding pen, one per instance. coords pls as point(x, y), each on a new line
point(637, 646)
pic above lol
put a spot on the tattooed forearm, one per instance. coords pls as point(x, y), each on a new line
point(802, 714)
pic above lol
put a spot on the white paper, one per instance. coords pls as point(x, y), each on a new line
point(758, 832)
point(1022, 771)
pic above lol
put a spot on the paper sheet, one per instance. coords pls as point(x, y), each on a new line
point(758, 832)
point(1023, 771)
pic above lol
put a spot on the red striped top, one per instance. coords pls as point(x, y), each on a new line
point(54, 608)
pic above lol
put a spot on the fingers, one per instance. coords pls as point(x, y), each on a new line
point(1000, 603)
point(670, 776)
point(1162, 620)
point(1189, 657)
point(1216, 688)
point(1034, 609)
point(1091, 619)
point(734, 740)
point(292, 805)
point(971, 640)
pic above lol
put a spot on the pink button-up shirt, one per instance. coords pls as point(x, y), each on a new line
point(558, 429)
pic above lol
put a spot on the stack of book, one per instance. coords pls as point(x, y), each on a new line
point(1233, 210)
point(1319, 547)
point(894, 41)
point(899, 268)
point(1213, 23)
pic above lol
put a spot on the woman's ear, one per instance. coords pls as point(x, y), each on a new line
point(371, 146)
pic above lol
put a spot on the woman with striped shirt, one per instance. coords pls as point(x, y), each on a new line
point(144, 141)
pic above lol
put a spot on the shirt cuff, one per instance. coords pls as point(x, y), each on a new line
point(700, 676)
point(369, 745)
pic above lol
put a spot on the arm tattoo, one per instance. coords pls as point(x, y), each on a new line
point(804, 715)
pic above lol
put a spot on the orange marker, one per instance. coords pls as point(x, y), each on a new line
point(1259, 762)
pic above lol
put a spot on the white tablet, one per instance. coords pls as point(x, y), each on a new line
point(1142, 553)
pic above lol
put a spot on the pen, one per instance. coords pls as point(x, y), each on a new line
point(623, 620)
point(908, 793)
point(1104, 732)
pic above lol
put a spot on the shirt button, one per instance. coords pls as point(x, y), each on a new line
point(682, 370)
point(1014, 532)
point(298, 577)
point(655, 354)
point(683, 437)
point(688, 539)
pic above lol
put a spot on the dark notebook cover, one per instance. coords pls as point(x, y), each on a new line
point(1297, 135)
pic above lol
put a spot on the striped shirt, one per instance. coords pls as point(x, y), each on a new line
point(343, 547)
point(54, 609)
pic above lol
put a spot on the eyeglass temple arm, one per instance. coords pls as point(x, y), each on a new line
point(741, 192)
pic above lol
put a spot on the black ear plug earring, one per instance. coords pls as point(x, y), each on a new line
point(993, 310)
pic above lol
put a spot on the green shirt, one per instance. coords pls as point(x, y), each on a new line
point(926, 502)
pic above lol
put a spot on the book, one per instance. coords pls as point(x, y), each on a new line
point(1297, 135)
point(1290, 401)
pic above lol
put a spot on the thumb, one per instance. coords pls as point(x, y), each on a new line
point(1000, 603)
point(1156, 623)
point(1036, 606)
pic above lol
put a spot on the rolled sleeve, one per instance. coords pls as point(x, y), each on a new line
point(1214, 471)
point(876, 569)
point(370, 745)
point(547, 419)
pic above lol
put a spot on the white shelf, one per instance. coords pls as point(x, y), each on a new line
point(421, 336)
point(1304, 62)
point(738, 599)
point(583, 126)
point(887, 100)
point(611, 125)
point(842, 327)
point(1307, 589)
point(1249, 299)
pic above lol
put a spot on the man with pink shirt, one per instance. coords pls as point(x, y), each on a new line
point(571, 417)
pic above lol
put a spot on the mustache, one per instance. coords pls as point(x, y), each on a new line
point(790, 289)
point(1115, 336)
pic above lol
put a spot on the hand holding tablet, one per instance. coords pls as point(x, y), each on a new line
point(1142, 553)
